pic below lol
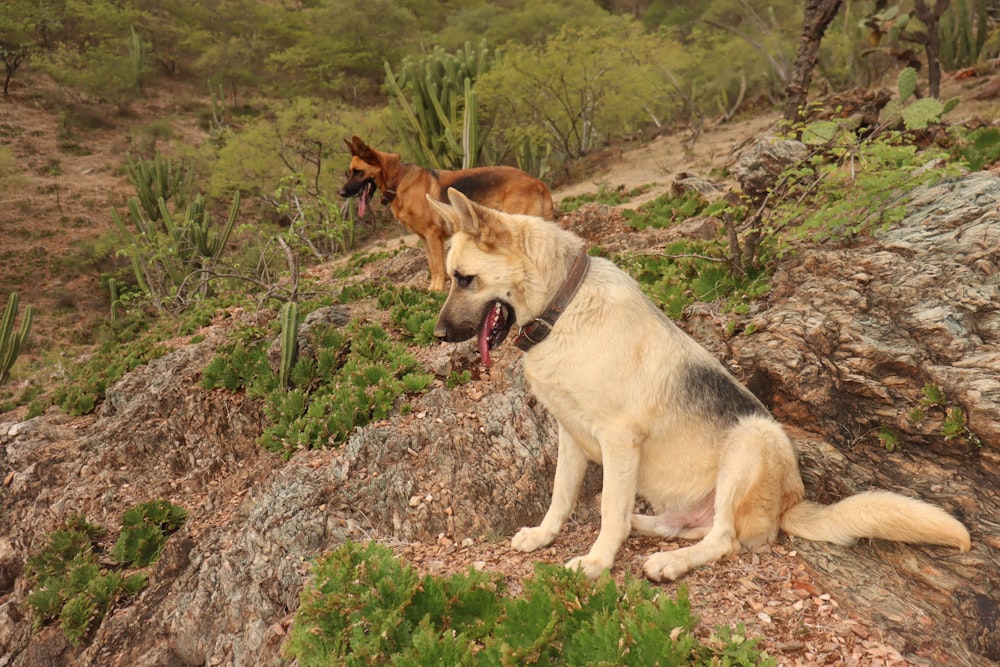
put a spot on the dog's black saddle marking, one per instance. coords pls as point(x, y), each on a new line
point(717, 394)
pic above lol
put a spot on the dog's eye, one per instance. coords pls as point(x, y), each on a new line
point(355, 172)
point(463, 281)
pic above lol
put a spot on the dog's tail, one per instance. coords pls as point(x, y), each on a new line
point(881, 514)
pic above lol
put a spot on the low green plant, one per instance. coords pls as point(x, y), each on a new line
point(71, 581)
point(978, 148)
point(357, 375)
point(604, 195)
point(667, 210)
point(954, 424)
point(889, 438)
point(456, 378)
point(414, 311)
point(363, 606)
point(130, 346)
point(144, 533)
point(688, 271)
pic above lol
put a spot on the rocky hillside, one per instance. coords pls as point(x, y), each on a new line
point(842, 346)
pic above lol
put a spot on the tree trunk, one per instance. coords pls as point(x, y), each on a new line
point(818, 15)
point(931, 18)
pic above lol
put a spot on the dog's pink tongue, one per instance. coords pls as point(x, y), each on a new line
point(484, 336)
point(363, 203)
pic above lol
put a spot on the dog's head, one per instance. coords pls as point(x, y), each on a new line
point(487, 269)
point(366, 172)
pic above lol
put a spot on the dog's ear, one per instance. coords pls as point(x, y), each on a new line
point(361, 149)
point(476, 220)
point(450, 214)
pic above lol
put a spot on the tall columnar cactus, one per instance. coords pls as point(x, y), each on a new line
point(166, 254)
point(137, 53)
point(11, 342)
point(964, 29)
point(435, 108)
point(289, 340)
point(159, 178)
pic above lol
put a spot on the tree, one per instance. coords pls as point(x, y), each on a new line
point(581, 88)
point(818, 15)
point(527, 22)
point(16, 40)
point(339, 46)
point(930, 38)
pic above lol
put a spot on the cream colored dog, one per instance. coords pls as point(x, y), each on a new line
point(635, 394)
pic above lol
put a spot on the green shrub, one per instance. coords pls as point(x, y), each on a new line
point(364, 607)
point(685, 272)
point(666, 210)
point(978, 148)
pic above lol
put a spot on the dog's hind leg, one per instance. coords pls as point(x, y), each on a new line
point(750, 494)
point(571, 465)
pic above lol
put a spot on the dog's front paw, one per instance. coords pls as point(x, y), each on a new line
point(529, 539)
point(665, 566)
point(591, 566)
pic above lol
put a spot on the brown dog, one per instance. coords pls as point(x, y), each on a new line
point(405, 188)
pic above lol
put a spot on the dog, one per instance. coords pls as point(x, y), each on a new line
point(631, 391)
point(404, 187)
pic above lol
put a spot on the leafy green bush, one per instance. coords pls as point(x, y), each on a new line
point(852, 186)
point(364, 607)
point(567, 94)
point(689, 271)
point(69, 581)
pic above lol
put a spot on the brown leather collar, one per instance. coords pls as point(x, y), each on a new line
point(390, 192)
point(535, 331)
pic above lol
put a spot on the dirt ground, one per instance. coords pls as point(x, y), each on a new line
point(55, 216)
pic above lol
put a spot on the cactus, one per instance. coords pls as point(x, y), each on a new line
point(137, 53)
point(289, 340)
point(964, 29)
point(167, 253)
point(12, 343)
point(113, 288)
point(157, 179)
point(470, 127)
point(435, 109)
